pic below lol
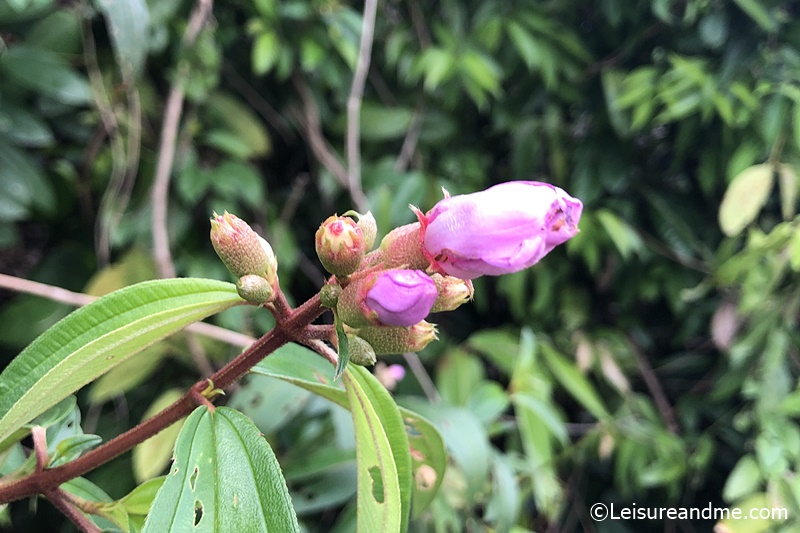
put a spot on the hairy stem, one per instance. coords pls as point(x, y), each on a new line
point(292, 327)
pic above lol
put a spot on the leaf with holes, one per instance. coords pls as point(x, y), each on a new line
point(94, 339)
point(379, 500)
point(302, 367)
point(392, 423)
point(224, 478)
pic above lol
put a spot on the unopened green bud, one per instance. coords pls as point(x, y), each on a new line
point(340, 245)
point(329, 295)
point(361, 352)
point(452, 292)
point(255, 289)
point(387, 340)
point(369, 227)
point(402, 248)
point(242, 250)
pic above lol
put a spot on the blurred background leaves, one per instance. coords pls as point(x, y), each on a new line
point(652, 360)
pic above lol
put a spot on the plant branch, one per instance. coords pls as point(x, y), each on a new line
point(57, 294)
point(46, 482)
point(312, 130)
point(656, 391)
point(60, 499)
point(166, 151)
point(354, 106)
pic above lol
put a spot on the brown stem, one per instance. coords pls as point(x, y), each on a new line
point(60, 499)
point(46, 481)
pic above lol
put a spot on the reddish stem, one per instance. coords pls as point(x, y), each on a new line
point(60, 499)
point(46, 481)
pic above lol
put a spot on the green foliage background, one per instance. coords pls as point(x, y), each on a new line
point(652, 360)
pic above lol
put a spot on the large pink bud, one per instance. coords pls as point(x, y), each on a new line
point(501, 230)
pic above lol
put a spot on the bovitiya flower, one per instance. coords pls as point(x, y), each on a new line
point(340, 245)
point(388, 298)
point(242, 250)
point(501, 230)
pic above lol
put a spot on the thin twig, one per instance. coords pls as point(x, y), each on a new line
point(410, 141)
point(166, 151)
point(324, 350)
point(423, 378)
point(312, 130)
point(59, 498)
point(39, 436)
point(105, 219)
point(257, 102)
point(656, 391)
point(57, 294)
point(353, 146)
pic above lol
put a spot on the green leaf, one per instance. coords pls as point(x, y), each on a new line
point(45, 72)
point(459, 373)
point(304, 368)
point(269, 402)
point(128, 24)
point(139, 500)
point(465, 438)
point(224, 478)
point(344, 348)
point(379, 123)
point(393, 425)
point(109, 516)
point(576, 383)
point(379, 500)
point(787, 178)
point(240, 120)
point(756, 11)
point(127, 375)
point(744, 198)
point(624, 237)
point(23, 184)
point(152, 456)
point(95, 338)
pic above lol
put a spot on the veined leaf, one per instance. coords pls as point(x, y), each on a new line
point(379, 501)
point(302, 367)
point(97, 337)
point(224, 478)
point(393, 425)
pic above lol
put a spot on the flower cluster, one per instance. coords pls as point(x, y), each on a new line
point(427, 266)
point(383, 297)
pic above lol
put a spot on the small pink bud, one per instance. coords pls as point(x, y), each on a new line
point(242, 250)
point(390, 375)
point(395, 340)
point(501, 230)
point(388, 298)
point(452, 292)
point(340, 245)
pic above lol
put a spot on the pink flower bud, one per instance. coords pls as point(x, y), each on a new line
point(390, 375)
point(388, 298)
point(501, 230)
point(340, 245)
point(242, 250)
